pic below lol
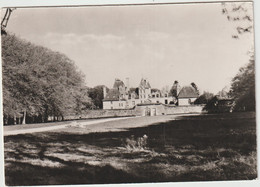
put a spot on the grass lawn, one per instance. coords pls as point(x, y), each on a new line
point(192, 148)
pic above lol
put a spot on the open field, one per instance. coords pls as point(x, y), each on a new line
point(187, 148)
point(41, 127)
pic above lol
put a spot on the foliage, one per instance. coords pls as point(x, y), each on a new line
point(97, 96)
point(175, 88)
point(241, 96)
point(241, 14)
point(39, 81)
point(137, 144)
point(210, 106)
point(243, 84)
point(224, 93)
point(83, 101)
point(204, 98)
point(243, 88)
point(195, 87)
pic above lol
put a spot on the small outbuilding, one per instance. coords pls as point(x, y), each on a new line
point(187, 96)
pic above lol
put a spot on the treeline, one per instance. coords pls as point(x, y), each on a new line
point(39, 84)
point(241, 93)
point(243, 88)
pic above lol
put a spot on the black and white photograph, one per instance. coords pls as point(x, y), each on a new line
point(128, 93)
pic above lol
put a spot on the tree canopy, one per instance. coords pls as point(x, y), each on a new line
point(243, 87)
point(97, 96)
point(175, 88)
point(241, 96)
point(204, 98)
point(243, 84)
point(39, 82)
point(241, 14)
point(195, 87)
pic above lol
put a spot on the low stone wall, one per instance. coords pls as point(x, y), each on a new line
point(90, 114)
point(183, 109)
point(150, 110)
point(141, 110)
point(155, 109)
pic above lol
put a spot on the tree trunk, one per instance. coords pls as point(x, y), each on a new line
point(6, 120)
point(24, 116)
point(45, 114)
point(14, 119)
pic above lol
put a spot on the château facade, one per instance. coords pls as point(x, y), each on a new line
point(121, 96)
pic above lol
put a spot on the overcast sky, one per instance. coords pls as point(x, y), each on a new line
point(188, 42)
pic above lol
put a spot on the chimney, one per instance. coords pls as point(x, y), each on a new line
point(104, 91)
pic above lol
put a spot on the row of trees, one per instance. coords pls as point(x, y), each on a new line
point(241, 93)
point(39, 84)
point(243, 88)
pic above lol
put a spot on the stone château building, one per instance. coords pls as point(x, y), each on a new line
point(121, 96)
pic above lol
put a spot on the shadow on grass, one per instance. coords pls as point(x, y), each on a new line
point(73, 173)
point(214, 147)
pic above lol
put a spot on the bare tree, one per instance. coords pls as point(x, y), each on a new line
point(241, 14)
point(6, 19)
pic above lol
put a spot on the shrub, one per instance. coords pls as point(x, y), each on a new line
point(136, 144)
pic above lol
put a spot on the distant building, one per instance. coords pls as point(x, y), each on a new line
point(187, 96)
point(144, 90)
point(121, 96)
point(116, 97)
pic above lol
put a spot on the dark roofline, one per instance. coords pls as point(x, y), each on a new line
point(184, 97)
point(194, 93)
point(145, 104)
point(114, 99)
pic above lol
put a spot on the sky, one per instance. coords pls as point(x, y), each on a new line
point(163, 43)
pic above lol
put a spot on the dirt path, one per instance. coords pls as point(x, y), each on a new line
point(92, 125)
point(81, 127)
point(14, 130)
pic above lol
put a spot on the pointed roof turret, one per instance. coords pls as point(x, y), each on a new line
point(118, 83)
point(144, 84)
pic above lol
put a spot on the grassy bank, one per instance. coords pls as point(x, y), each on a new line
point(192, 148)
